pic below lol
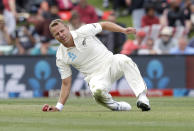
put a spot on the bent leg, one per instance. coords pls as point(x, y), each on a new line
point(134, 79)
point(106, 100)
point(100, 88)
point(131, 73)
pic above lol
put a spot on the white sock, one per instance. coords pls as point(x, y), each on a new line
point(143, 98)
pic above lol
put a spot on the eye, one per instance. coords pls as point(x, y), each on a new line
point(57, 34)
point(62, 31)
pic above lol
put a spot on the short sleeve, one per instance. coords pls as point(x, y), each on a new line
point(89, 30)
point(64, 69)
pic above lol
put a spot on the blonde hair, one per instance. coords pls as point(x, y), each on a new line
point(56, 22)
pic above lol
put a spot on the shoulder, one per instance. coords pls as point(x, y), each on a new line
point(91, 25)
point(59, 52)
point(88, 30)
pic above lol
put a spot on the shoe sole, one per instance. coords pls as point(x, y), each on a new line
point(143, 106)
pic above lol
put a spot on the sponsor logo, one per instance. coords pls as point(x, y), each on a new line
point(42, 79)
point(155, 75)
point(72, 56)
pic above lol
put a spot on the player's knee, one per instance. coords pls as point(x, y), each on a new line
point(124, 58)
point(98, 95)
point(125, 61)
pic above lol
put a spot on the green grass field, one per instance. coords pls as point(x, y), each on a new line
point(167, 114)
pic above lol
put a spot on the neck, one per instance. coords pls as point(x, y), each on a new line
point(70, 43)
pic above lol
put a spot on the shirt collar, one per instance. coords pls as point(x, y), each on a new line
point(74, 34)
point(66, 48)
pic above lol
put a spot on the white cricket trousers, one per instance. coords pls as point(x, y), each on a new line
point(117, 66)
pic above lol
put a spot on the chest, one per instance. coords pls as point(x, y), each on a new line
point(85, 50)
point(75, 57)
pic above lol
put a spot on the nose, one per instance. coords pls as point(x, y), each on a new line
point(60, 34)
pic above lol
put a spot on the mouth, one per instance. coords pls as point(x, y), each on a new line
point(63, 39)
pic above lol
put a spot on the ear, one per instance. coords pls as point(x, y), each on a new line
point(50, 31)
point(67, 27)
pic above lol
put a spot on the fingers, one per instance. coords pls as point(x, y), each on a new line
point(130, 30)
point(52, 109)
point(47, 108)
point(133, 30)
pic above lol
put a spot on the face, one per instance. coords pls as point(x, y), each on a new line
point(76, 21)
point(54, 9)
point(61, 33)
point(45, 6)
point(151, 12)
point(150, 43)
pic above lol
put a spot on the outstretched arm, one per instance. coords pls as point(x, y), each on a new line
point(117, 28)
point(65, 90)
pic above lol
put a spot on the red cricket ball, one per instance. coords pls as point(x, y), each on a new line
point(45, 107)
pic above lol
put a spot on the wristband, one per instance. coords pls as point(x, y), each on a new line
point(59, 106)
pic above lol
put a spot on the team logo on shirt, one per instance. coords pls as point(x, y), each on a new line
point(72, 56)
point(94, 25)
point(84, 42)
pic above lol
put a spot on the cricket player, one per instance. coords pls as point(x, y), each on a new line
point(83, 50)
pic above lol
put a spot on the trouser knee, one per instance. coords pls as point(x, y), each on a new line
point(98, 95)
point(102, 96)
point(105, 99)
point(124, 60)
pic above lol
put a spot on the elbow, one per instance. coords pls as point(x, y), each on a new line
point(104, 24)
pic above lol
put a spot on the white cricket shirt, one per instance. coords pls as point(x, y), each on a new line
point(88, 55)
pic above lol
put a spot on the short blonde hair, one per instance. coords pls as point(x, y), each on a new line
point(56, 22)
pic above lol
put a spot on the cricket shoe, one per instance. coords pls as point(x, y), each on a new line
point(123, 106)
point(143, 106)
point(143, 102)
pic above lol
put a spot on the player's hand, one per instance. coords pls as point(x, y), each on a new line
point(48, 108)
point(129, 30)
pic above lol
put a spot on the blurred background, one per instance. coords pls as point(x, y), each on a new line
point(163, 47)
